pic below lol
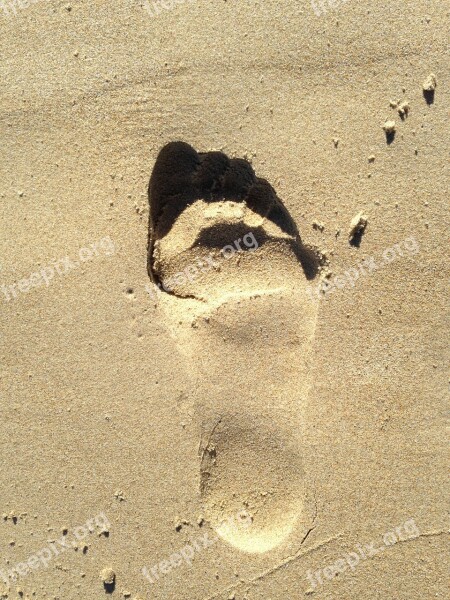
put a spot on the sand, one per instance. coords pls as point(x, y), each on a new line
point(260, 432)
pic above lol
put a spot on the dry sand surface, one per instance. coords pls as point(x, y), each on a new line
point(265, 419)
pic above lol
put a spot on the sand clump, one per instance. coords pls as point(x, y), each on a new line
point(108, 576)
point(430, 83)
point(403, 109)
point(389, 127)
point(357, 228)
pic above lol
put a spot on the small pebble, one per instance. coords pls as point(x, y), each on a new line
point(389, 127)
point(357, 227)
point(430, 83)
point(403, 109)
point(318, 226)
point(108, 576)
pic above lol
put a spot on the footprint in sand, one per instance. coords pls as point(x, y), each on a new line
point(229, 256)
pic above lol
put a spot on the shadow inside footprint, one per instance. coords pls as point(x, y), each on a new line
point(181, 176)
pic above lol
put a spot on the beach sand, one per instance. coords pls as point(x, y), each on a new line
point(271, 428)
